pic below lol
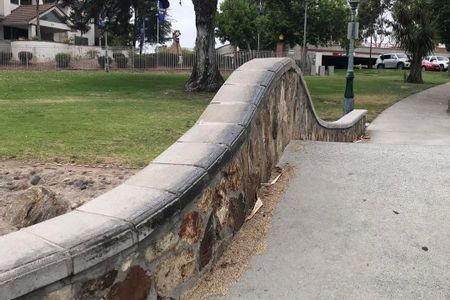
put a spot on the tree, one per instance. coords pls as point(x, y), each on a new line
point(119, 13)
point(414, 31)
point(205, 73)
point(327, 21)
point(238, 23)
point(442, 21)
point(373, 17)
point(147, 10)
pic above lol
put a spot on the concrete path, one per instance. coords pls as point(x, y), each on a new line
point(419, 119)
point(364, 221)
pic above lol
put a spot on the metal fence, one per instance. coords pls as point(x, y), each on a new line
point(125, 59)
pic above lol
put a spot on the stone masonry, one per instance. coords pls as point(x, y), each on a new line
point(156, 234)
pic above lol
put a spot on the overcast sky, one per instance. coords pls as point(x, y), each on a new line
point(183, 19)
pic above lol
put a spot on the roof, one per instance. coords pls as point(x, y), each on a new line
point(25, 13)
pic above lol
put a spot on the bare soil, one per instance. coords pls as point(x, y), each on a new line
point(248, 242)
point(75, 184)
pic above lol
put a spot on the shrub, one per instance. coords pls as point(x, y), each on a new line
point(62, 60)
point(5, 57)
point(144, 61)
point(122, 62)
point(25, 57)
point(91, 54)
point(102, 61)
point(117, 55)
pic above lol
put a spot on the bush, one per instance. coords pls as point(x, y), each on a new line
point(25, 57)
point(5, 57)
point(144, 61)
point(122, 62)
point(117, 55)
point(102, 61)
point(91, 54)
point(62, 60)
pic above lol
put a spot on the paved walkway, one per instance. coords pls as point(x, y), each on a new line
point(419, 119)
point(364, 221)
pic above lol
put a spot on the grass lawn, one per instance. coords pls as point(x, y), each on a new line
point(374, 90)
point(122, 118)
point(93, 117)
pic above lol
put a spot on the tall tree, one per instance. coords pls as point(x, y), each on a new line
point(373, 17)
point(442, 21)
point(327, 20)
point(119, 13)
point(205, 73)
point(414, 30)
point(238, 23)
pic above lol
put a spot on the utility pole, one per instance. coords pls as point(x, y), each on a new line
point(305, 24)
point(157, 34)
point(349, 97)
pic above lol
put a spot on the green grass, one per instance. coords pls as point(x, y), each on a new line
point(128, 119)
point(94, 117)
point(374, 90)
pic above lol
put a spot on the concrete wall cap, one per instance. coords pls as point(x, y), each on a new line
point(118, 220)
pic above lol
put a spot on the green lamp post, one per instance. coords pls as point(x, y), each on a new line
point(349, 97)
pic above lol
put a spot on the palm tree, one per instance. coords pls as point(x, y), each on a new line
point(414, 30)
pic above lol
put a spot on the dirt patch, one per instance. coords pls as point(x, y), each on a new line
point(72, 183)
point(248, 242)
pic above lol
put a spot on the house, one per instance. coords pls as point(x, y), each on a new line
point(18, 22)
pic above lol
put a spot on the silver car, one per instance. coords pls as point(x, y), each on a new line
point(393, 61)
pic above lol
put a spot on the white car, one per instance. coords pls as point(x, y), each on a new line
point(440, 61)
point(393, 61)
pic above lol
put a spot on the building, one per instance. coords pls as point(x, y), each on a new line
point(18, 23)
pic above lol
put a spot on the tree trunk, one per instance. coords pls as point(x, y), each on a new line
point(415, 74)
point(38, 23)
point(205, 73)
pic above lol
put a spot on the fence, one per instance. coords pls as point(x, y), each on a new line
point(127, 59)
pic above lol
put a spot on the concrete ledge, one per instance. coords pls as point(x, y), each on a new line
point(164, 227)
point(349, 120)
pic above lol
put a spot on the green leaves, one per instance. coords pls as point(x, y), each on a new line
point(239, 21)
point(414, 31)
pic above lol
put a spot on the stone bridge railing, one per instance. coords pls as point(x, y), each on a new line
point(157, 233)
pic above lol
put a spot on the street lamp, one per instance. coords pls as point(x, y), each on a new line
point(349, 97)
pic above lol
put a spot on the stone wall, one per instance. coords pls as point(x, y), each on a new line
point(155, 235)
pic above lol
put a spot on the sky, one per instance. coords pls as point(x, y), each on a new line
point(183, 19)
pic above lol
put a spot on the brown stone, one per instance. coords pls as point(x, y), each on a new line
point(237, 212)
point(174, 272)
point(36, 205)
point(191, 228)
point(162, 245)
point(233, 176)
point(136, 286)
point(206, 199)
point(207, 244)
point(101, 283)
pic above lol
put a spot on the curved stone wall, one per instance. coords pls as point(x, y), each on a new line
point(154, 235)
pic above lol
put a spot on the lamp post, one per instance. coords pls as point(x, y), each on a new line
point(349, 97)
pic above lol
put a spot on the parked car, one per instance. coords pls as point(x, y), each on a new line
point(393, 61)
point(429, 66)
point(440, 61)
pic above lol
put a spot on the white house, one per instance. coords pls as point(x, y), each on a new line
point(18, 22)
